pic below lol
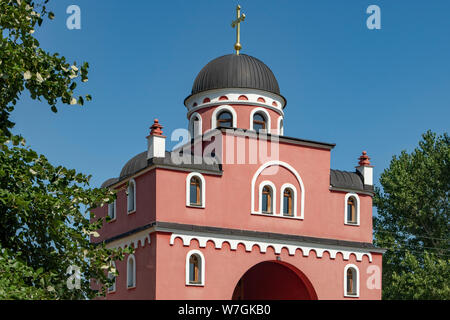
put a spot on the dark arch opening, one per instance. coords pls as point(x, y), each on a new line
point(274, 280)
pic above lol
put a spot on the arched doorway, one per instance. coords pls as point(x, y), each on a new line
point(274, 280)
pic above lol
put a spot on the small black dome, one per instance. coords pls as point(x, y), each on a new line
point(236, 71)
point(133, 165)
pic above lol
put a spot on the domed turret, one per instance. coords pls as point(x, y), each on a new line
point(236, 71)
point(241, 85)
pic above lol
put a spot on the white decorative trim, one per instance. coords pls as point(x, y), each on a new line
point(248, 104)
point(367, 193)
point(280, 128)
point(132, 181)
point(294, 202)
point(131, 257)
point(233, 95)
point(248, 243)
point(115, 211)
point(133, 239)
point(110, 275)
point(222, 108)
point(266, 115)
point(202, 268)
point(202, 187)
point(290, 168)
point(357, 281)
point(354, 195)
point(191, 127)
point(274, 197)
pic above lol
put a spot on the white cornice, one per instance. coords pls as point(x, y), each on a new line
point(135, 239)
point(248, 242)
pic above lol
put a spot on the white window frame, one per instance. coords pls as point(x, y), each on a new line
point(115, 279)
point(201, 266)
point(131, 257)
point(202, 187)
point(357, 281)
point(114, 207)
point(191, 125)
point(274, 197)
point(132, 181)
point(357, 206)
point(294, 200)
point(265, 114)
point(220, 109)
point(301, 213)
point(280, 127)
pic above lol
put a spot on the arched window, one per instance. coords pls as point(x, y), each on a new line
point(288, 201)
point(281, 129)
point(267, 200)
point(195, 125)
point(131, 272)
point(351, 281)
point(111, 276)
point(131, 196)
point(351, 209)
point(195, 191)
point(225, 119)
point(259, 122)
point(195, 268)
point(112, 210)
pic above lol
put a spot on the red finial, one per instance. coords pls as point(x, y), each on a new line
point(364, 159)
point(156, 128)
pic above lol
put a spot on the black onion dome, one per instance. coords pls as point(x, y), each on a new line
point(236, 71)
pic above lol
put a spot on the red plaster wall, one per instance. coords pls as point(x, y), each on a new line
point(161, 196)
point(145, 258)
point(228, 198)
point(224, 268)
point(145, 208)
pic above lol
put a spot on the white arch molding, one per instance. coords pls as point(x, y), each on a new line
point(223, 108)
point(201, 266)
point(357, 206)
point(265, 114)
point(202, 189)
point(280, 126)
point(294, 202)
point(299, 180)
point(132, 186)
point(192, 130)
point(133, 272)
point(274, 196)
point(352, 266)
point(112, 288)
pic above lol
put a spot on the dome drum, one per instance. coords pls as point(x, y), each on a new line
point(233, 96)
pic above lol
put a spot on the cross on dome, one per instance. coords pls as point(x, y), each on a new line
point(237, 23)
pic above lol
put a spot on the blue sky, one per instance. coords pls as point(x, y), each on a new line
point(374, 90)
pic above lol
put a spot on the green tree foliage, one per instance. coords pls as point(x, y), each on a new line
point(45, 226)
point(413, 221)
point(24, 65)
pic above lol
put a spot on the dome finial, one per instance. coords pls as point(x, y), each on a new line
point(237, 23)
